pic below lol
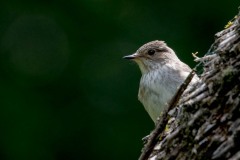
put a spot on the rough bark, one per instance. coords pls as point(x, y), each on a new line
point(205, 123)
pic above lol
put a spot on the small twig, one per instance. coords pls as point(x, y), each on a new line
point(160, 126)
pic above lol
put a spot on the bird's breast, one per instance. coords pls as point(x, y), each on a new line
point(155, 92)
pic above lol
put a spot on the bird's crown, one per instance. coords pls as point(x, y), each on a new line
point(153, 44)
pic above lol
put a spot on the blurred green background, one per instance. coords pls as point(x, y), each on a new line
point(66, 94)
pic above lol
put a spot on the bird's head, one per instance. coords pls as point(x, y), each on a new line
point(153, 55)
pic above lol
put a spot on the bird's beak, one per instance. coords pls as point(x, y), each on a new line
point(131, 57)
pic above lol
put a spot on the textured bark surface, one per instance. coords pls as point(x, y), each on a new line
point(206, 122)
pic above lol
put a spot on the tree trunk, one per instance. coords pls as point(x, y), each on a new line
point(205, 121)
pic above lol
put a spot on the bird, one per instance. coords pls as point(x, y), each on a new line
point(162, 74)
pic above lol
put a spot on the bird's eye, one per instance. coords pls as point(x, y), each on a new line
point(151, 52)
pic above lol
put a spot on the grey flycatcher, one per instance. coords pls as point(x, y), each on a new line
point(162, 75)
